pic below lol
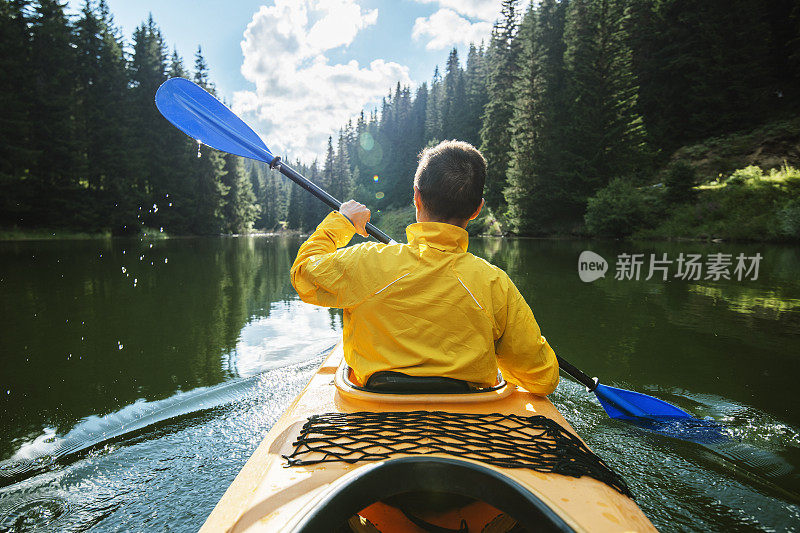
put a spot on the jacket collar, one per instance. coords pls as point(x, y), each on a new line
point(438, 235)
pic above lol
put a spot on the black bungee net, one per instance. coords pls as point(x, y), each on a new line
point(508, 441)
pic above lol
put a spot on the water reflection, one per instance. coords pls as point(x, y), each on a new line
point(90, 327)
point(738, 340)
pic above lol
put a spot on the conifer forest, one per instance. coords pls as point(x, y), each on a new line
point(572, 102)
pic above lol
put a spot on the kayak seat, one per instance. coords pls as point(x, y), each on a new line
point(399, 383)
point(399, 387)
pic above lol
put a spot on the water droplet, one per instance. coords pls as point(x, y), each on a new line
point(8, 392)
point(161, 230)
point(170, 204)
point(375, 178)
point(151, 245)
point(198, 148)
point(165, 260)
point(119, 345)
point(124, 270)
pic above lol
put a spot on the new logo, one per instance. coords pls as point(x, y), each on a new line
point(591, 266)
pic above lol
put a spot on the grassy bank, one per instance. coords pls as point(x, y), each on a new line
point(742, 187)
point(41, 234)
point(748, 205)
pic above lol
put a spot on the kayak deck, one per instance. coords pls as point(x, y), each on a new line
point(269, 496)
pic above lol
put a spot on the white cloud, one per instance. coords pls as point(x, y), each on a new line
point(300, 97)
point(446, 28)
point(485, 10)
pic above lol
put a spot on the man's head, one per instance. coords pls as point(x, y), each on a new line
point(448, 184)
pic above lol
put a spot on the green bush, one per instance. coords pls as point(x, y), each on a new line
point(620, 208)
point(680, 182)
point(487, 223)
point(744, 175)
point(789, 219)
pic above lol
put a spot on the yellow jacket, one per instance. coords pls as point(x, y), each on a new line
point(426, 308)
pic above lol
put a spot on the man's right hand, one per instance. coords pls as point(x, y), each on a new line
point(358, 215)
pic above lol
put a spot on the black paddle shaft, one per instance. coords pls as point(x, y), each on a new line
point(329, 200)
point(567, 367)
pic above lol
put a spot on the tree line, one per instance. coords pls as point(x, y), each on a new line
point(562, 98)
point(569, 95)
point(82, 145)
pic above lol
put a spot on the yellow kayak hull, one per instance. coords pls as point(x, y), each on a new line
point(271, 497)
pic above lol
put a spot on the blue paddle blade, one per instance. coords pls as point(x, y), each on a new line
point(659, 416)
point(628, 405)
point(204, 118)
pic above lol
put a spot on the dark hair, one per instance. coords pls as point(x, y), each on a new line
point(450, 179)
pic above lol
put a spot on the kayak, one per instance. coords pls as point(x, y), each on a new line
point(422, 455)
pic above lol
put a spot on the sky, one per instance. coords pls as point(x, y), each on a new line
point(297, 70)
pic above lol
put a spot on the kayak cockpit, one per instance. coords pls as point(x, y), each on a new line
point(432, 493)
point(398, 388)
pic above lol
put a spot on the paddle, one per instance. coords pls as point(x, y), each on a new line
point(624, 404)
point(201, 116)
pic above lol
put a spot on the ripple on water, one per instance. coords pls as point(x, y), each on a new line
point(169, 477)
point(34, 515)
point(686, 486)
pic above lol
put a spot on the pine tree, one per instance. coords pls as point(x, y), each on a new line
point(495, 133)
point(454, 104)
point(148, 155)
point(605, 131)
point(16, 125)
point(265, 219)
point(342, 185)
point(703, 68)
point(535, 193)
point(52, 109)
point(313, 210)
point(103, 124)
point(208, 170)
point(294, 215)
point(201, 74)
point(476, 93)
point(433, 115)
point(239, 210)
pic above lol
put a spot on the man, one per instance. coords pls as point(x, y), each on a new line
point(426, 308)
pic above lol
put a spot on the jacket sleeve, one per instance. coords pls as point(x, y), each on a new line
point(321, 274)
point(523, 354)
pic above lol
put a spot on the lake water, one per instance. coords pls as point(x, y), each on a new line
point(138, 377)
